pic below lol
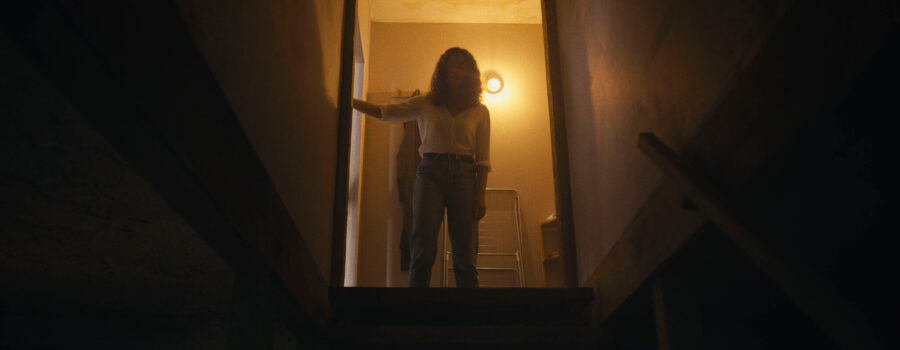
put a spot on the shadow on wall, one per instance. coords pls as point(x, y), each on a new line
point(278, 64)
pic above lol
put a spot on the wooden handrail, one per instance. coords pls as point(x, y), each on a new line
point(813, 295)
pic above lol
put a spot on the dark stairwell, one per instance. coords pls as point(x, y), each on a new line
point(488, 318)
point(147, 203)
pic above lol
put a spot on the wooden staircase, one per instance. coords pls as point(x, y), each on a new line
point(495, 318)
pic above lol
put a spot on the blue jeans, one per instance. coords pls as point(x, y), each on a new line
point(444, 182)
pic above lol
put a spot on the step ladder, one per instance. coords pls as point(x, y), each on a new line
point(499, 260)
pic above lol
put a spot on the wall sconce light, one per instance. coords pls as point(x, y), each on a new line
point(493, 82)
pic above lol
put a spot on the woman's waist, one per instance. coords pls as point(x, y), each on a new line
point(450, 155)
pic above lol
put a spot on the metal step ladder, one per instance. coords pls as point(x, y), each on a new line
point(499, 259)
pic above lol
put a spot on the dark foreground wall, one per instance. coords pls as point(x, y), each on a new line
point(91, 256)
point(278, 64)
point(727, 84)
point(628, 67)
point(136, 172)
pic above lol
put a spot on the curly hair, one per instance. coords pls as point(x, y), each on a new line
point(471, 89)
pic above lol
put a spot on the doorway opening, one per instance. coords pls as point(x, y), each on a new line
point(396, 48)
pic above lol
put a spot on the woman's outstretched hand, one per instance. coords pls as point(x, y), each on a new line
point(367, 108)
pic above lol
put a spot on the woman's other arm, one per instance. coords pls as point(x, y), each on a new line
point(367, 108)
point(480, 189)
point(483, 162)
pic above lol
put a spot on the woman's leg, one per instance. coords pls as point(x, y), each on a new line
point(428, 212)
point(462, 224)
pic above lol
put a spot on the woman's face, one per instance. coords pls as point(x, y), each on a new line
point(456, 72)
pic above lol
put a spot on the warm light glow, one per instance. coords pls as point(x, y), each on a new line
point(497, 93)
point(497, 100)
point(494, 85)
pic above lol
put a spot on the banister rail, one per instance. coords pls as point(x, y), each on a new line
point(812, 294)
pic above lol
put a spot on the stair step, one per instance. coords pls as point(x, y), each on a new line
point(460, 306)
point(474, 337)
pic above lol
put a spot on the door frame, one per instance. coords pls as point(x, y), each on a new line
point(558, 141)
point(342, 164)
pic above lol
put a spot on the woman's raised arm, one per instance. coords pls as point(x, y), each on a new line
point(367, 108)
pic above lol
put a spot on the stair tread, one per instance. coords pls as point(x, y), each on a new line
point(473, 334)
point(463, 306)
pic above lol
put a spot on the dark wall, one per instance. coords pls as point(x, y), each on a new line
point(90, 255)
point(123, 150)
point(786, 108)
point(630, 67)
point(278, 64)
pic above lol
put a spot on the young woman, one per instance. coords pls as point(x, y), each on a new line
point(455, 132)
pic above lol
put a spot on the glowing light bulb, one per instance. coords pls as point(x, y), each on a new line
point(494, 85)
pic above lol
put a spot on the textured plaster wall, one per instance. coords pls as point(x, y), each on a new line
point(628, 67)
point(278, 63)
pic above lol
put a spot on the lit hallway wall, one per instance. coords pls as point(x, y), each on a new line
point(627, 67)
point(403, 56)
point(278, 64)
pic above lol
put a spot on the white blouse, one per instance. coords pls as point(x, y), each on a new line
point(468, 133)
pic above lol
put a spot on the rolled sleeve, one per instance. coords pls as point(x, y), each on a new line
point(483, 141)
point(403, 111)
